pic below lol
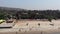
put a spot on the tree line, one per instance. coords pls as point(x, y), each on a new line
point(29, 14)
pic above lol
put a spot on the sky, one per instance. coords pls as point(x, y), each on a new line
point(32, 4)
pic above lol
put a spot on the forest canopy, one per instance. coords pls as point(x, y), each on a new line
point(16, 13)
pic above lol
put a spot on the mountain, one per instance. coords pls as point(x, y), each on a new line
point(9, 8)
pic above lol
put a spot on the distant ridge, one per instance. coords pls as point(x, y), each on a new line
point(20, 9)
point(9, 8)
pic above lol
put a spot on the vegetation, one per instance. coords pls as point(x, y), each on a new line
point(38, 24)
point(1, 21)
point(15, 13)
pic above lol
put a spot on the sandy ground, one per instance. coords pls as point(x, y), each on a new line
point(34, 28)
point(34, 24)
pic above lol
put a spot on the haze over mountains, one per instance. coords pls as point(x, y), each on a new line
point(10, 8)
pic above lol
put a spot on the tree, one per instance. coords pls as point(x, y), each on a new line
point(2, 16)
point(49, 18)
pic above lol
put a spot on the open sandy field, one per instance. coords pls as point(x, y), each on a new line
point(32, 27)
point(34, 24)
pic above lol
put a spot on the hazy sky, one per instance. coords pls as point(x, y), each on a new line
point(31, 4)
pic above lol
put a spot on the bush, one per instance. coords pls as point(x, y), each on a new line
point(50, 18)
point(1, 21)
